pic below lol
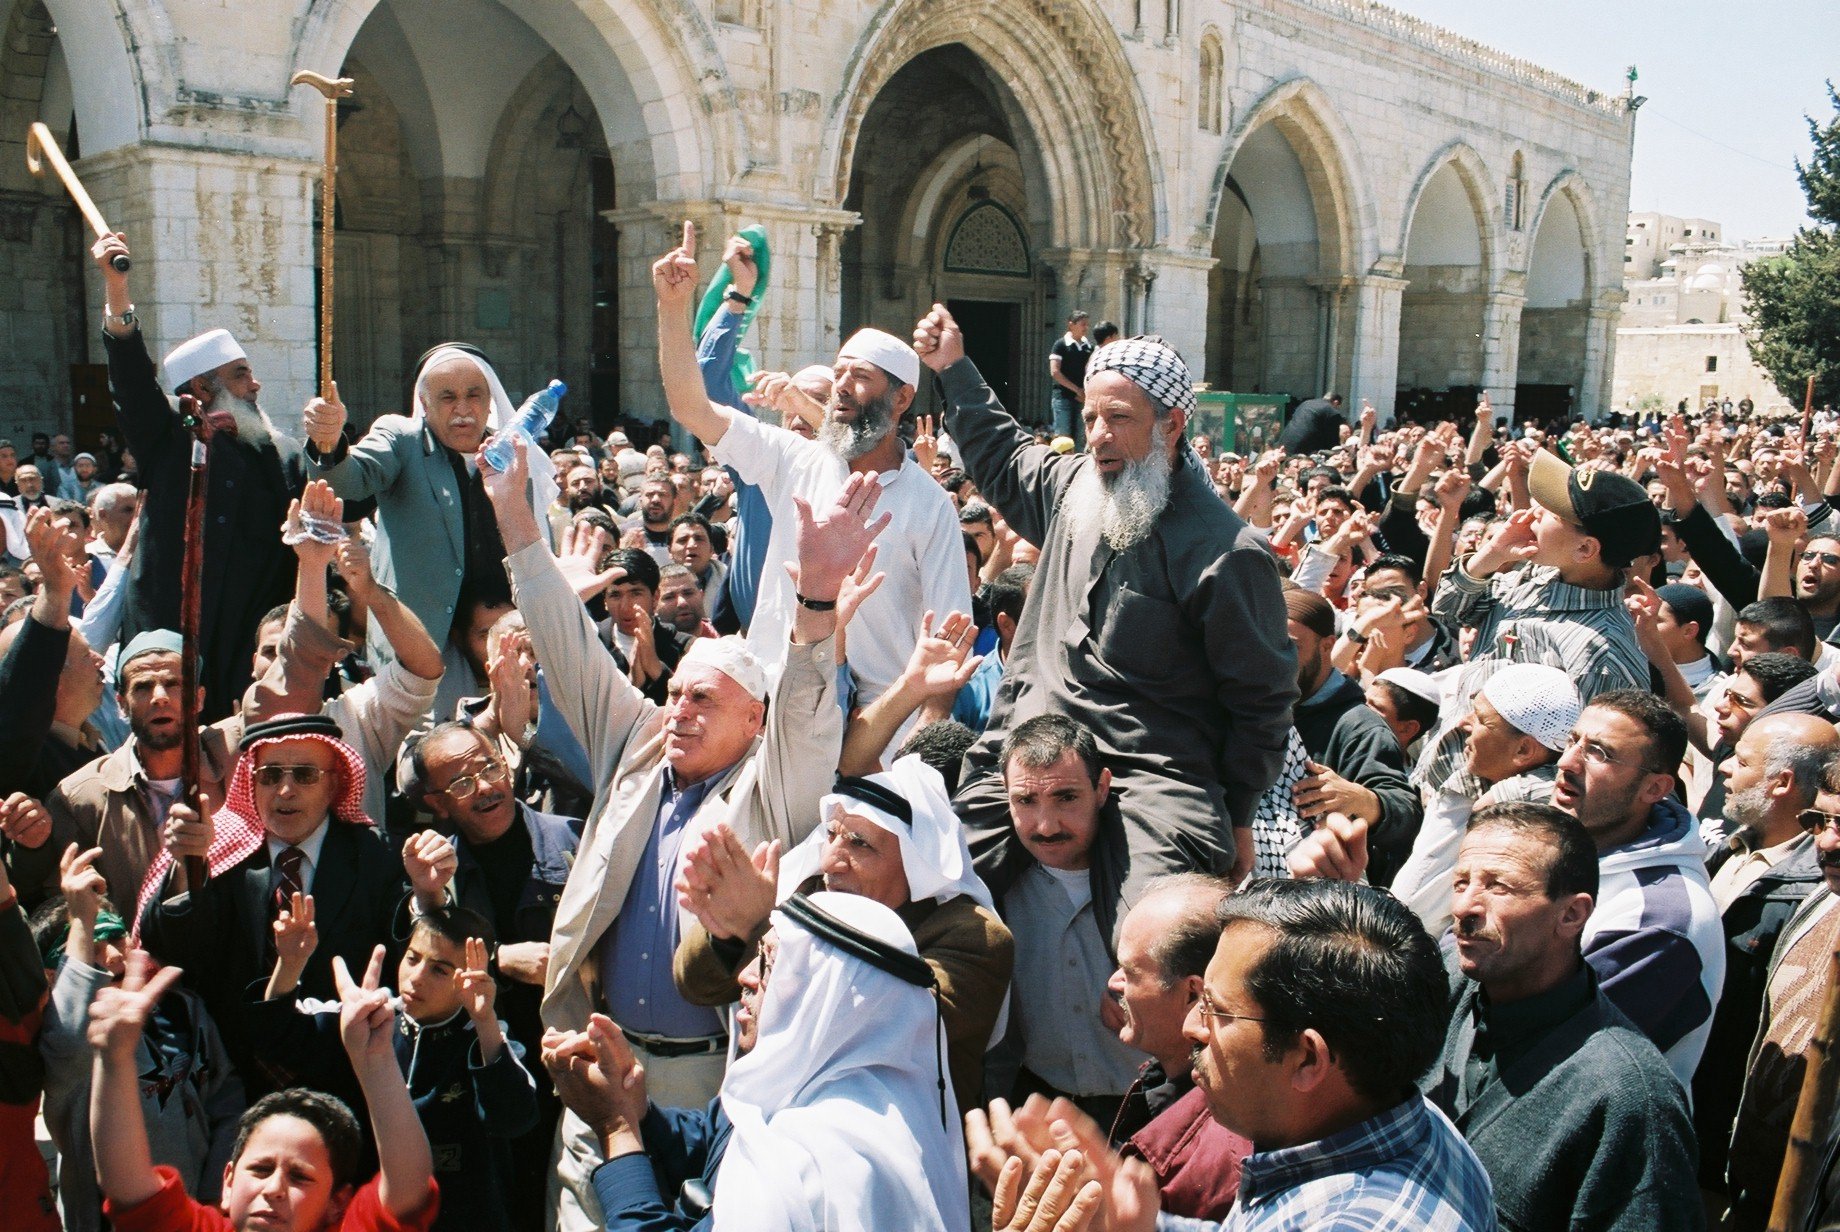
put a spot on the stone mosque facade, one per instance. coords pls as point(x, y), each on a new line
point(1301, 195)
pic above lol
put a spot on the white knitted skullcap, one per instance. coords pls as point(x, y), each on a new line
point(885, 351)
point(730, 656)
point(1415, 682)
point(1536, 700)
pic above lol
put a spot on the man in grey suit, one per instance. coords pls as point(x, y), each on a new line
point(436, 537)
point(662, 776)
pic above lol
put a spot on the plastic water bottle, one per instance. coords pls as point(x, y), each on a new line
point(531, 418)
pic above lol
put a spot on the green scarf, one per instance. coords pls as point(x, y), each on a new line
point(109, 927)
point(755, 235)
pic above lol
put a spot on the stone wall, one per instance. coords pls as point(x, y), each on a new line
point(1670, 363)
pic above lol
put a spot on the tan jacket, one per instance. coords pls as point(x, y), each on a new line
point(968, 948)
point(771, 793)
point(105, 805)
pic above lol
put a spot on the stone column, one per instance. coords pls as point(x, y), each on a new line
point(1374, 374)
point(220, 240)
point(1178, 302)
point(1599, 357)
point(1501, 350)
point(1292, 335)
point(1090, 278)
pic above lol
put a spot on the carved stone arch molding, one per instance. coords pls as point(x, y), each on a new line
point(1068, 74)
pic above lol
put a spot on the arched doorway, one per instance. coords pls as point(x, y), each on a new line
point(953, 200)
point(1556, 321)
point(1283, 241)
point(1443, 307)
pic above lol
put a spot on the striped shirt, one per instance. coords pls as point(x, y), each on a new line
point(1407, 1168)
point(1527, 615)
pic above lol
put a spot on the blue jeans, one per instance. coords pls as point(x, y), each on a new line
point(1067, 420)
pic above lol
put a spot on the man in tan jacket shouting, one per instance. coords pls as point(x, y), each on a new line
point(663, 775)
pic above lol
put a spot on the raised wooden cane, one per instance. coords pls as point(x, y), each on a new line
point(334, 89)
point(40, 144)
point(191, 608)
point(1814, 1111)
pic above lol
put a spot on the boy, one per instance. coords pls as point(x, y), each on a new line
point(190, 1096)
point(295, 1162)
point(466, 1080)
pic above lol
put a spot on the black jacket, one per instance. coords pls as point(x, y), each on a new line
point(247, 569)
point(1753, 923)
point(32, 758)
point(1342, 733)
point(221, 935)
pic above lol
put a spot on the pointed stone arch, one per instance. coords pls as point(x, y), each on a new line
point(1577, 191)
point(1474, 175)
point(1079, 91)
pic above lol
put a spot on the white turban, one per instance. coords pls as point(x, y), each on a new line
point(730, 656)
point(207, 352)
point(837, 1109)
point(886, 352)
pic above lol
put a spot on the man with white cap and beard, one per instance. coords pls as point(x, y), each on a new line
point(436, 537)
point(829, 1118)
point(922, 555)
point(662, 776)
point(254, 470)
point(892, 837)
point(1155, 619)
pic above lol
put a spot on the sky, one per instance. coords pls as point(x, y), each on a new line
point(1728, 84)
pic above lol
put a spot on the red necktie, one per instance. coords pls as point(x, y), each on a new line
point(288, 865)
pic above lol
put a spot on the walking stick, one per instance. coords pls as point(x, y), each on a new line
point(1814, 1110)
point(334, 90)
point(39, 141)
point(191, 604)
point(1808, 412)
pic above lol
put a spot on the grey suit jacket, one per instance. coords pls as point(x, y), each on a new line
point(420, 551)
point(771, 793)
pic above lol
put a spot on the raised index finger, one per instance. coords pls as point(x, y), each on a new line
point(689, 238)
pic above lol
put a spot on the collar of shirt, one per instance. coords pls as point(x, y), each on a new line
point(683, 800)
point(1360, 1148)
point(1327, 690)
point(1506, 1030)
point(1699, 671)
point(309, 847)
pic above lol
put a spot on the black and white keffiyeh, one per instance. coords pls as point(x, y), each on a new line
point(1152, 365)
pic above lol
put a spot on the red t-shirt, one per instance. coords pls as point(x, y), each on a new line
point(174, 1210)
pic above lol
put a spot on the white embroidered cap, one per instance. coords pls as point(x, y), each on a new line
point(886, 352)
point(1537, 700)
point(730, 656)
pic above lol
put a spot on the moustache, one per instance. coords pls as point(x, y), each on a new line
point(1829, 859)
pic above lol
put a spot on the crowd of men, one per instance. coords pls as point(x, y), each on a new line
point(898, 820)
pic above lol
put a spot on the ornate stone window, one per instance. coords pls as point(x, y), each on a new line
point(1208, 108)
point(987, 239)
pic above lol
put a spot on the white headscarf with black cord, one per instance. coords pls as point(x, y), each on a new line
point(544, 489)
point(844, 1119)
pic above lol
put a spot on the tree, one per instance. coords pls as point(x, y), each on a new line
point(1793, 300)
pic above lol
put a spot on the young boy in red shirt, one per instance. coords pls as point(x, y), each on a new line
point(296, 1157)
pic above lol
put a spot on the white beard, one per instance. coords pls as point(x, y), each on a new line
point(1128, 507)
point(253, 426)
point(851, 441)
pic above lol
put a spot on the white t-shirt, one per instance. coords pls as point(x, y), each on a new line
point(921, 553)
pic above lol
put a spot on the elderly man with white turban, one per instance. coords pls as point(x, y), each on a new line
point(254, 470)
point(891, 837)
point(830, 1118)
point(922, 557)
point(716, 752)
point(1155, 619)
point(436, 537)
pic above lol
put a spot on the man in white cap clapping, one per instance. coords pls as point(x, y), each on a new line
point(922, 555)
point(663, 775)
point(255, 469)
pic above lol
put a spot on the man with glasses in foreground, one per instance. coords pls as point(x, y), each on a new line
point(293, 823)
point(1654, 939)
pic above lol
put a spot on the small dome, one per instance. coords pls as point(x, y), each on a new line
point(1709, 277)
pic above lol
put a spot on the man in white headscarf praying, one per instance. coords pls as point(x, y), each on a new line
point(437, 541)
point(891, 837)
point(837, 1112)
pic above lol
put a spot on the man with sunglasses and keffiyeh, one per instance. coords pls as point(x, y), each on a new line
point(293, 822)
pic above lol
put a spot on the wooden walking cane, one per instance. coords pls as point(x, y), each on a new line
point(39, 141)
point(1808, 412)
point(191, 604)
point(334, 90)
point(1814, 1112)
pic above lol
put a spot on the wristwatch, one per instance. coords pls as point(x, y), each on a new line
point(125, 319)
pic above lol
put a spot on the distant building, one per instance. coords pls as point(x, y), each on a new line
point(1681, 333)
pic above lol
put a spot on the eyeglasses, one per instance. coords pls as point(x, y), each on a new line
point(1739, 701)
point(303, 776)
point(1830, 559)
point(1206, 1006)
point(468, 785)
point(1816, 820)
point(1597, 753)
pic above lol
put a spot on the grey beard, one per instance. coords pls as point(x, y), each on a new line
point(252, 422)
point(1748, 810)
point(851, 441)
point(1127, 507)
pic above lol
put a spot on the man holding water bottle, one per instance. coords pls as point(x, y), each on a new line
point(437, 540)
